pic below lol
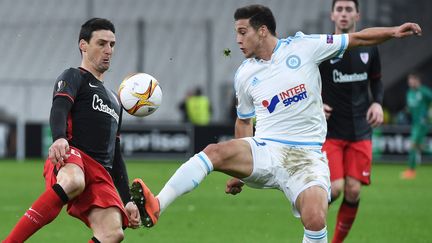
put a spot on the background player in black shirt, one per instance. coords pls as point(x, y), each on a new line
point(350, 115)
point(85, 169)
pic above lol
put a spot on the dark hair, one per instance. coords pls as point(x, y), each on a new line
point(94, 24)
point(355, 2)
point(415, 74)
point(258, 16)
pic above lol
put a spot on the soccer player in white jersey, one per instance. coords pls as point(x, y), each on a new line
point(280, 84)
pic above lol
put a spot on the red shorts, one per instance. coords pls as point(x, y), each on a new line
point(99, 189)
point(347, 158)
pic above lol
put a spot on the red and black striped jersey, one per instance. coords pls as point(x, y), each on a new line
point(94, 120)
point(346, 86)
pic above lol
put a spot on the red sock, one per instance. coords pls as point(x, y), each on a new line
point(43, 211)
point(345, 219)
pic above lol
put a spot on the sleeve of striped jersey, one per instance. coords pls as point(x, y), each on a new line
point(119, 174)
point(376, 85)
point(329, 46)
point(67, 84)
point(58, 117)
point(245, 106)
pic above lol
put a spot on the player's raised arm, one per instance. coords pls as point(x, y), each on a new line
point(377, 35)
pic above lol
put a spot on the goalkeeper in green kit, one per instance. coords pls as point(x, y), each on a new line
point(418, 99)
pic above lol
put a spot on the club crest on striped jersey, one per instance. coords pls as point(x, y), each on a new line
point(364, 56)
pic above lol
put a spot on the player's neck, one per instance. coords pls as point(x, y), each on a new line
point(267, 49)
point(98, 75)
point(339, 31)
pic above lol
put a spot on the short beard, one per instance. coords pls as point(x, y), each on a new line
point(102, 68)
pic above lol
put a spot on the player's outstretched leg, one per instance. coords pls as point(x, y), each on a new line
point(147, 203)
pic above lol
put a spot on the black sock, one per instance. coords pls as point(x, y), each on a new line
point(351, 204)
point(60, 192)
point(94, 240)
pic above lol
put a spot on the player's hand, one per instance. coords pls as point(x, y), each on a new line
point(59, 151)
point(327, 110)
point(133, 215)
point(375, 115)
point(407, 29)
point(234, 186)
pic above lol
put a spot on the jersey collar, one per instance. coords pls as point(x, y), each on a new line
point(279, 42)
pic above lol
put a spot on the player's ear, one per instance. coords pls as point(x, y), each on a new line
point(262, 31)
point(83, 45)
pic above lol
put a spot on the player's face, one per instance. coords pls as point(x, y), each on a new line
point(413, 82)
point(345, 16)
point(99, 50)
point(247, 38)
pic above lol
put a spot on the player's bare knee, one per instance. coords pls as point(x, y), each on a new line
point(72, 185)
point(213, 151)
point(352, 192)
point(315, 220)
point(335, 193)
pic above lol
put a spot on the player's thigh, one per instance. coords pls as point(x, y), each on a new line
point(334, 151)
point(415, 134)
point(266, 163)
point(303, 169)
point(359, 160)
point(232, 157)
point(418, 134)
point(106, 224)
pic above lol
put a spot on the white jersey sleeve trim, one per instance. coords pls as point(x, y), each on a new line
point(344, 45)
point(245, 116)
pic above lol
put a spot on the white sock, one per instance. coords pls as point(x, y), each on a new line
point(315, 236)
point(187, 177)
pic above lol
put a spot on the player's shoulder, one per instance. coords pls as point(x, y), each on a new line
point(245, 67)
point(71, 74)
point(300, 41)
point(300, 36)
point(424, 88)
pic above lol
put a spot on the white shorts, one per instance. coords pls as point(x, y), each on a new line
point(287, 168)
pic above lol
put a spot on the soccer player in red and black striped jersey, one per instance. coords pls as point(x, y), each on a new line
point(350, 115)
point(85, 169)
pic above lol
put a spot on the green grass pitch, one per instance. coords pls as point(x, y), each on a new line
point(391, 210)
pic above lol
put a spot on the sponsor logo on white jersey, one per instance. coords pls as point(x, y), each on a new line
point(255, 81)
point(288, 97)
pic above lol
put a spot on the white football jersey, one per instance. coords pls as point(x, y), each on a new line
point(284, 93)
